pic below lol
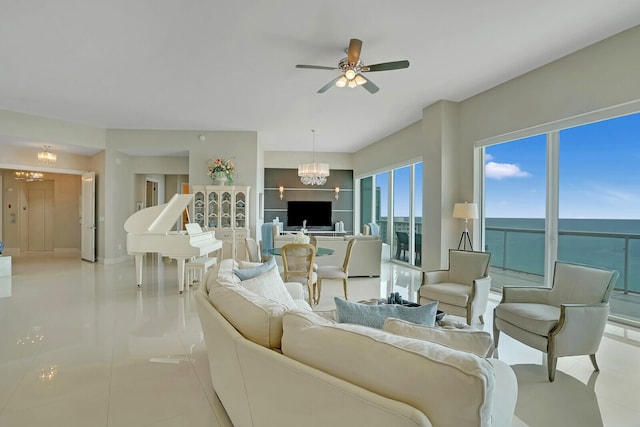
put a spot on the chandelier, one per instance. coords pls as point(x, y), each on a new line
point(47, 156)
point(313, 173)
point(28, 176)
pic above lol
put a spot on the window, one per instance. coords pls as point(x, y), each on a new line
point(396, 194)
point(584, 206)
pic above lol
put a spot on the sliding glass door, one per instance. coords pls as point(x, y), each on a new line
point(571, 195)
point(396, 194)
point(515, 206)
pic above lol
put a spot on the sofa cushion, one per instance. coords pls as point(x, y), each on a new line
point(271, 286)
point(375, 315)
point(223, 273)
point(257, 318)
point(536, 318)
point(447, 293)
point(246, 273)
point(462, 338)
point(453, 388)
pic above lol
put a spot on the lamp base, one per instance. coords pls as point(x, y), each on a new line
point(464, 238)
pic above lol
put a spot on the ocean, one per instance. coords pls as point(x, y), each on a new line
point(518, 244)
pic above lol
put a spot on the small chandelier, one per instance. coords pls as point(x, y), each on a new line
point(28, 176)
point(313, 173)
point(47, 156)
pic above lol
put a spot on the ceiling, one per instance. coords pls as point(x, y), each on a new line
point(212, 65)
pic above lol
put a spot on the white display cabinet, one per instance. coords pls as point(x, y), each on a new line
point(225, 210)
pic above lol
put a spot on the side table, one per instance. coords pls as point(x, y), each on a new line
point(5, 266)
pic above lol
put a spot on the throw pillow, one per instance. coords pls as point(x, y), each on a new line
point(249, 273)
point(248, 264)
point(375, 315)
point(270, 285)
point(462, 338)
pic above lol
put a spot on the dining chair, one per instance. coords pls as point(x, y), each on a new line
point(297, 263)
point(402, 244)
point(334, 272)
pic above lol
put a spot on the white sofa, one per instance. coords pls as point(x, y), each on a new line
point(276, 366)
point(365, 258)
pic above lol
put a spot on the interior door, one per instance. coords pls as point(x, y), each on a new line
point(40, 217)
point(88, 217)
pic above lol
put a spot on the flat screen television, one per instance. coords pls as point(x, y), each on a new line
point(317, 214)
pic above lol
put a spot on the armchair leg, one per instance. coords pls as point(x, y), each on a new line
point(496, 332)
point(319, 291)
point(344, 285)
point(593, 362)
point(551, 366)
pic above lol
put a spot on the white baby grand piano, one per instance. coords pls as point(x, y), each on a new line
point(148, 230)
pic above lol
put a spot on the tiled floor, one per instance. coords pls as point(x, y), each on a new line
point(80, 345)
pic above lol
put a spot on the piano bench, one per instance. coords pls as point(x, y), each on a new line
point(199, 266)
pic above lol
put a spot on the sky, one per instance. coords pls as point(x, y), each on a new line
point(599, 173)
point(401, 191)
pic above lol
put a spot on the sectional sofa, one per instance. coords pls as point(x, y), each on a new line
point(275, 362)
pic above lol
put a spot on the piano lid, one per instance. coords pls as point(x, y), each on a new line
point(158, 219)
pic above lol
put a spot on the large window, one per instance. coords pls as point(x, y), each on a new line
point(571, 195)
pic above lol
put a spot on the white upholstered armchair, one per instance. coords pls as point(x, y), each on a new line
point(463, 289)
point(567, 319)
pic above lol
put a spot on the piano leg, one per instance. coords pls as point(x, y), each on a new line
point(181, 262)
point(139, 261)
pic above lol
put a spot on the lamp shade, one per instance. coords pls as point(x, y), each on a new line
point(465, 210)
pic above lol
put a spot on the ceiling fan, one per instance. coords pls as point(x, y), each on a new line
point(352, 68)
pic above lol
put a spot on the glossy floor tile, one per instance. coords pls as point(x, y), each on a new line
point(81, 345)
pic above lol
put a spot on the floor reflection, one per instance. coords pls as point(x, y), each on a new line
point(572, 402)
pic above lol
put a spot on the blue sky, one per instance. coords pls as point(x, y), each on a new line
point(599, 173)
point(401, 191)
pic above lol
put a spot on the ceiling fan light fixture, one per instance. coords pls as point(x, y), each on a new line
point(352, 83)
point(350, 74)
point(360, 80)
point(342, 82)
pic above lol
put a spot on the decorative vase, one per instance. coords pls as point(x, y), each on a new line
point(219, 178)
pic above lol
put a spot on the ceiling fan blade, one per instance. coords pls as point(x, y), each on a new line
point(370, 86)
point(328, 86)
point(316, 67)
point(386, 66)
point(353, 52)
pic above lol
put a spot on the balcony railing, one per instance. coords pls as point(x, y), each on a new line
point(522, 250)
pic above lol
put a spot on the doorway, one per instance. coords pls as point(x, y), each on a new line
point(151, 197)
point(40, 216)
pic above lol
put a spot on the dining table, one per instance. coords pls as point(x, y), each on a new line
point(319, 251)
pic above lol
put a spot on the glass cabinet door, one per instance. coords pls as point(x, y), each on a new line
point(199, 208)
point(213, 205)
point(241, 210)
point(226, 208)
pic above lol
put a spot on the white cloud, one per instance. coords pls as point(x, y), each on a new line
point(504, 170)
point(488, 157)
